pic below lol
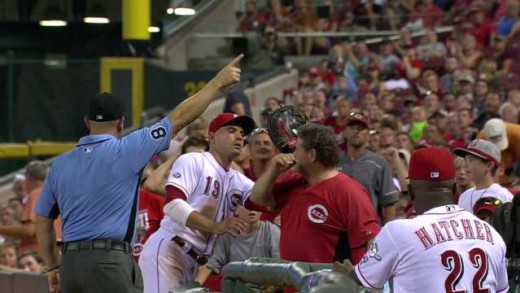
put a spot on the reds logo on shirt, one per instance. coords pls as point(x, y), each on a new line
point(235, 197)
point(317, 214)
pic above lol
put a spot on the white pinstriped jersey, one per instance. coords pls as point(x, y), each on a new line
point(209, 189)
point(469, 197)
point(445, 249)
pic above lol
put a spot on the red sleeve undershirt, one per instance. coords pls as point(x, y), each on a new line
point(172, 193)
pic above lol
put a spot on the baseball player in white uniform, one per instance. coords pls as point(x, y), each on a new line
point(481, 162)
point(202, 195)
point(444, 249)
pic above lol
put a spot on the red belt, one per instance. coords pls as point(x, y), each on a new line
point(200, 259)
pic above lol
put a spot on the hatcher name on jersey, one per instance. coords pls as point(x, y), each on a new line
point(453, 230)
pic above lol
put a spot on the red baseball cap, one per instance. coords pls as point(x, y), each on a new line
point(373, 66)
point(489, 204)
point(225, 119)
point(431, 164)
point(358, 118)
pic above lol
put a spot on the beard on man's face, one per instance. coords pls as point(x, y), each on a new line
point(355, 143)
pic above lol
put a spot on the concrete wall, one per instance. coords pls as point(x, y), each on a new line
point(23, 283)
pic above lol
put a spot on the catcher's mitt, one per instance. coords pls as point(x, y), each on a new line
point(282, 126)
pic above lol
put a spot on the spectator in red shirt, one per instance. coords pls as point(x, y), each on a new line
point(410, 67)
point(262, 151)
point(430, 14)
point(150, 214)
point(483, 30)
point(453, 135)
point(252, 19)
point(326, 74)
point(317, 201)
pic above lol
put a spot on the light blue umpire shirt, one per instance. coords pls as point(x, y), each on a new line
point(94, 187)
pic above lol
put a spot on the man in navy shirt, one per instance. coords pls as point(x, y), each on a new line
point(94, 189)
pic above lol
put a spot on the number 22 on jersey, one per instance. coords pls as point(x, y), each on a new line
point(452, 262)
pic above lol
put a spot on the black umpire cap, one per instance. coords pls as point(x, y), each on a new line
point(105, 107)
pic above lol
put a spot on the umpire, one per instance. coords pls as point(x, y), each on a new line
point(94, 189)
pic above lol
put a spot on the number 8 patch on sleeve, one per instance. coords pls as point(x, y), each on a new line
point(158, 133)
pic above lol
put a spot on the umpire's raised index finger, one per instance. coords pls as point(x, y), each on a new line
point(237, 60)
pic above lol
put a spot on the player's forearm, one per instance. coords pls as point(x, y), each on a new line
point(202, 276)
point(198, 221)
point(193, 107)
point(155, 181)
point(46, 238)
point(18, 231)
point(389, 212)
point(262, 193)
point(402, 173)
point(154, 185)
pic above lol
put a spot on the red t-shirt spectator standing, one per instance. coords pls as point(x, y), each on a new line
point(337, 211)
point(410, 67)
point(252, 20)
point(430, 14)
point(150, 213)
point(338, 129)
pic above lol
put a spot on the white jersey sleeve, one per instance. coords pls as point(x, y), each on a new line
point(378, 264)
point(185, 173)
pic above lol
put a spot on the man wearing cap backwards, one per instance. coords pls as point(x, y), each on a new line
point(443, 249)
point(94, 188)
point(482, 161)
point(506, 136)
point(202, 193)
point(368, 168)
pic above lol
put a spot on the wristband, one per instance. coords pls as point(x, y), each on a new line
point(179, 210)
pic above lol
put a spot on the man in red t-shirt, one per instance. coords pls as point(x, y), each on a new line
point(150, 214)
point(262, 151)
point(325, 215)
point(430, 14)
point(252, 20)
